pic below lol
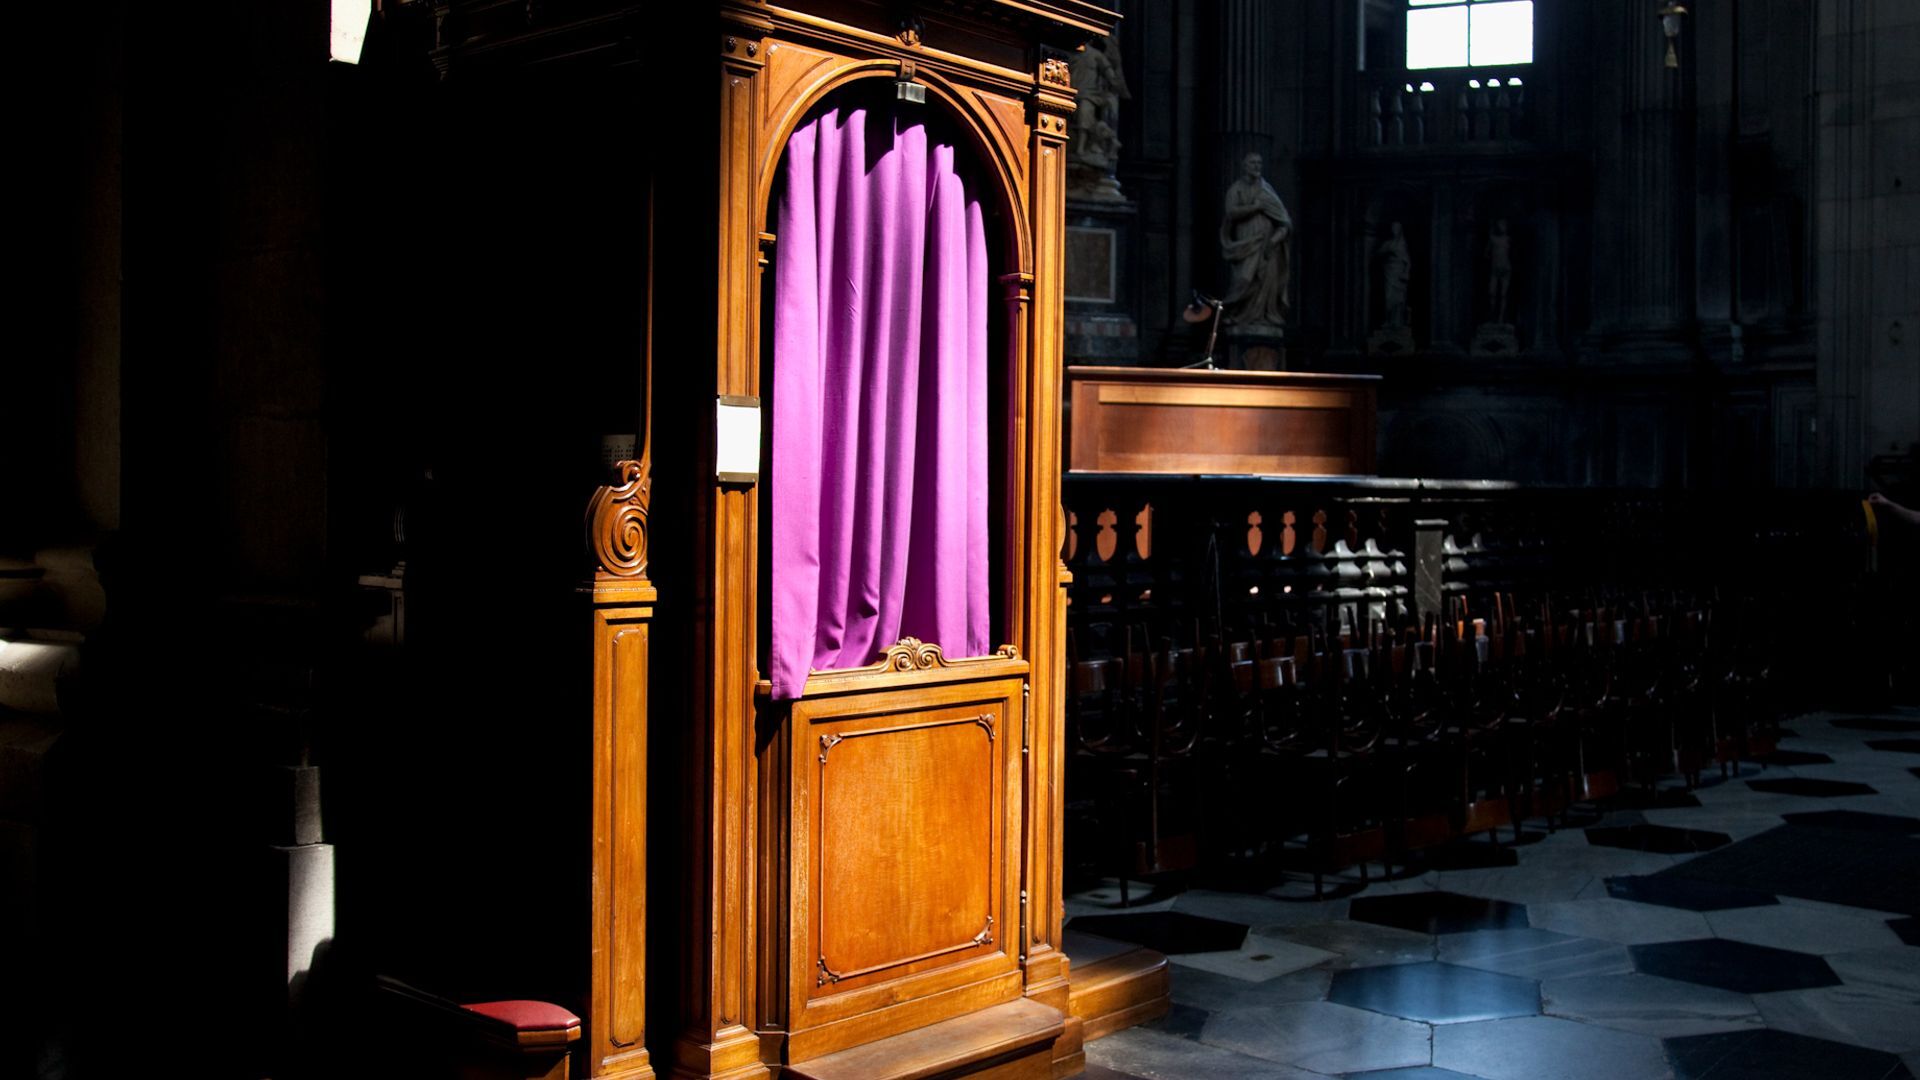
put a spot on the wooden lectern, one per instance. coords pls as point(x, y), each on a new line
point(1269, 423)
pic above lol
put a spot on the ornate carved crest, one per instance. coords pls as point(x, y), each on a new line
point(1056, 71)
point(912, 654)
point(617, 522)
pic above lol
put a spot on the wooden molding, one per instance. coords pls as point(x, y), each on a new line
point(912, 654)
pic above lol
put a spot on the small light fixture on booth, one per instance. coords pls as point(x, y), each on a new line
point(1670, 21)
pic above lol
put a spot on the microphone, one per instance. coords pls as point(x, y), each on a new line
point(1202, 309)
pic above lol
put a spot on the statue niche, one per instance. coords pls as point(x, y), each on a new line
point(1391, 267)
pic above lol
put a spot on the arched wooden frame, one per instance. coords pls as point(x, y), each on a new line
point(1012, 253)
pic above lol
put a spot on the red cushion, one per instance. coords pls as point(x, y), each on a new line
point(527, 1015)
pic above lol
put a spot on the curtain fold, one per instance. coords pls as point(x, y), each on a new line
point(880, 467)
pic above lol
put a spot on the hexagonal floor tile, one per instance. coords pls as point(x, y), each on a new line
point(1438, 912)
point(1877, 723)
point(1733, 965)
point(1534, 954)
point(1897, 746)
point(1908, 929)
point(1678, 892)
point(1418, 1072)
point(1359, 944)
point(1777, 1055)
point(1436, 993)
point(1620, 921)
point(1661, 839)
point(1546, 1048)
point(1169, 932)
point(1854, 819)
point(1322, 1036)
point(1649, 1005)
point(1857, 1016)
point(1810, 929)
point(1820, 789)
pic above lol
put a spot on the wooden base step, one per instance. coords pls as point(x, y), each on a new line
point(1116, 988)
point(1013, 1041)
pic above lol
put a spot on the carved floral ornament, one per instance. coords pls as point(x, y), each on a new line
point(617, 522)
point(912, 654)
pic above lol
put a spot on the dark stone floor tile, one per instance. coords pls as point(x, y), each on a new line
point(1908, 929)
point(1733, 965)
point(1872, 870)
point(1801, 785)
point(1777, 1055)
point(1915, 770)
point(1854, 819)
point(1897, 746)
point(1877, 723)
point(1788, 733)
point(1438, 912)
point(1436, 993)
point(1675, 892)
point(1795, 757)
point(1169, 932)
point(1661, 839)
point(1183, 1021)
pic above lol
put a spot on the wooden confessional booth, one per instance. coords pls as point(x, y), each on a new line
point(864, 881)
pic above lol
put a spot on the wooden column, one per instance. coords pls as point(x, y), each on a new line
point(1042, 523)
point(715, 1039)
point(622, 601)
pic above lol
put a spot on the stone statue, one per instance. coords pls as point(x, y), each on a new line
point(1496, 336)
point(1255, 237)
point(1396, 270)
point(1394, 333)
point(1093, 153)
point(1499, 270)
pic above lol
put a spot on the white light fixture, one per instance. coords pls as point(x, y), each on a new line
point(347, 30)
point(736, 439)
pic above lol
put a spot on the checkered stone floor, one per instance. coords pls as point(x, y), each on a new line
point(1582, 959)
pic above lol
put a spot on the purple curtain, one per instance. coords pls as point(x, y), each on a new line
point(880, 422)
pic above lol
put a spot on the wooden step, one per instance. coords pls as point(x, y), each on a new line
point(1013, 1041)
point(1118, 990)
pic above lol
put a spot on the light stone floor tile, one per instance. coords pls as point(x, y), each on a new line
point(1251, 909)
point(1256, 960)
point(1535, 954)
point(1322, 1037)
point(1622, 921)
point(1802, 929)
point(1597, 860)
point(1737, 826)
point(1649, 1005)
point(1845, 1014)
point(1524, 884)
point(1547, 1048)
point(1893, 972)
point(1217, 993)
point(1155, 1056)
point(1358, 944)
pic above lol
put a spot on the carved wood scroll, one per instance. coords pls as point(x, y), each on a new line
point(617, 522)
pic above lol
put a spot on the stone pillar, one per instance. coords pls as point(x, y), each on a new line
point(1654, 211)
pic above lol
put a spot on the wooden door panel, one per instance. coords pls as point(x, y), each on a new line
point(904, 844)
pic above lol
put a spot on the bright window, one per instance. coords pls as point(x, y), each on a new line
point(1469, 33)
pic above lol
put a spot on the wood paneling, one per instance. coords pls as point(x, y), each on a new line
point(1222, 422)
